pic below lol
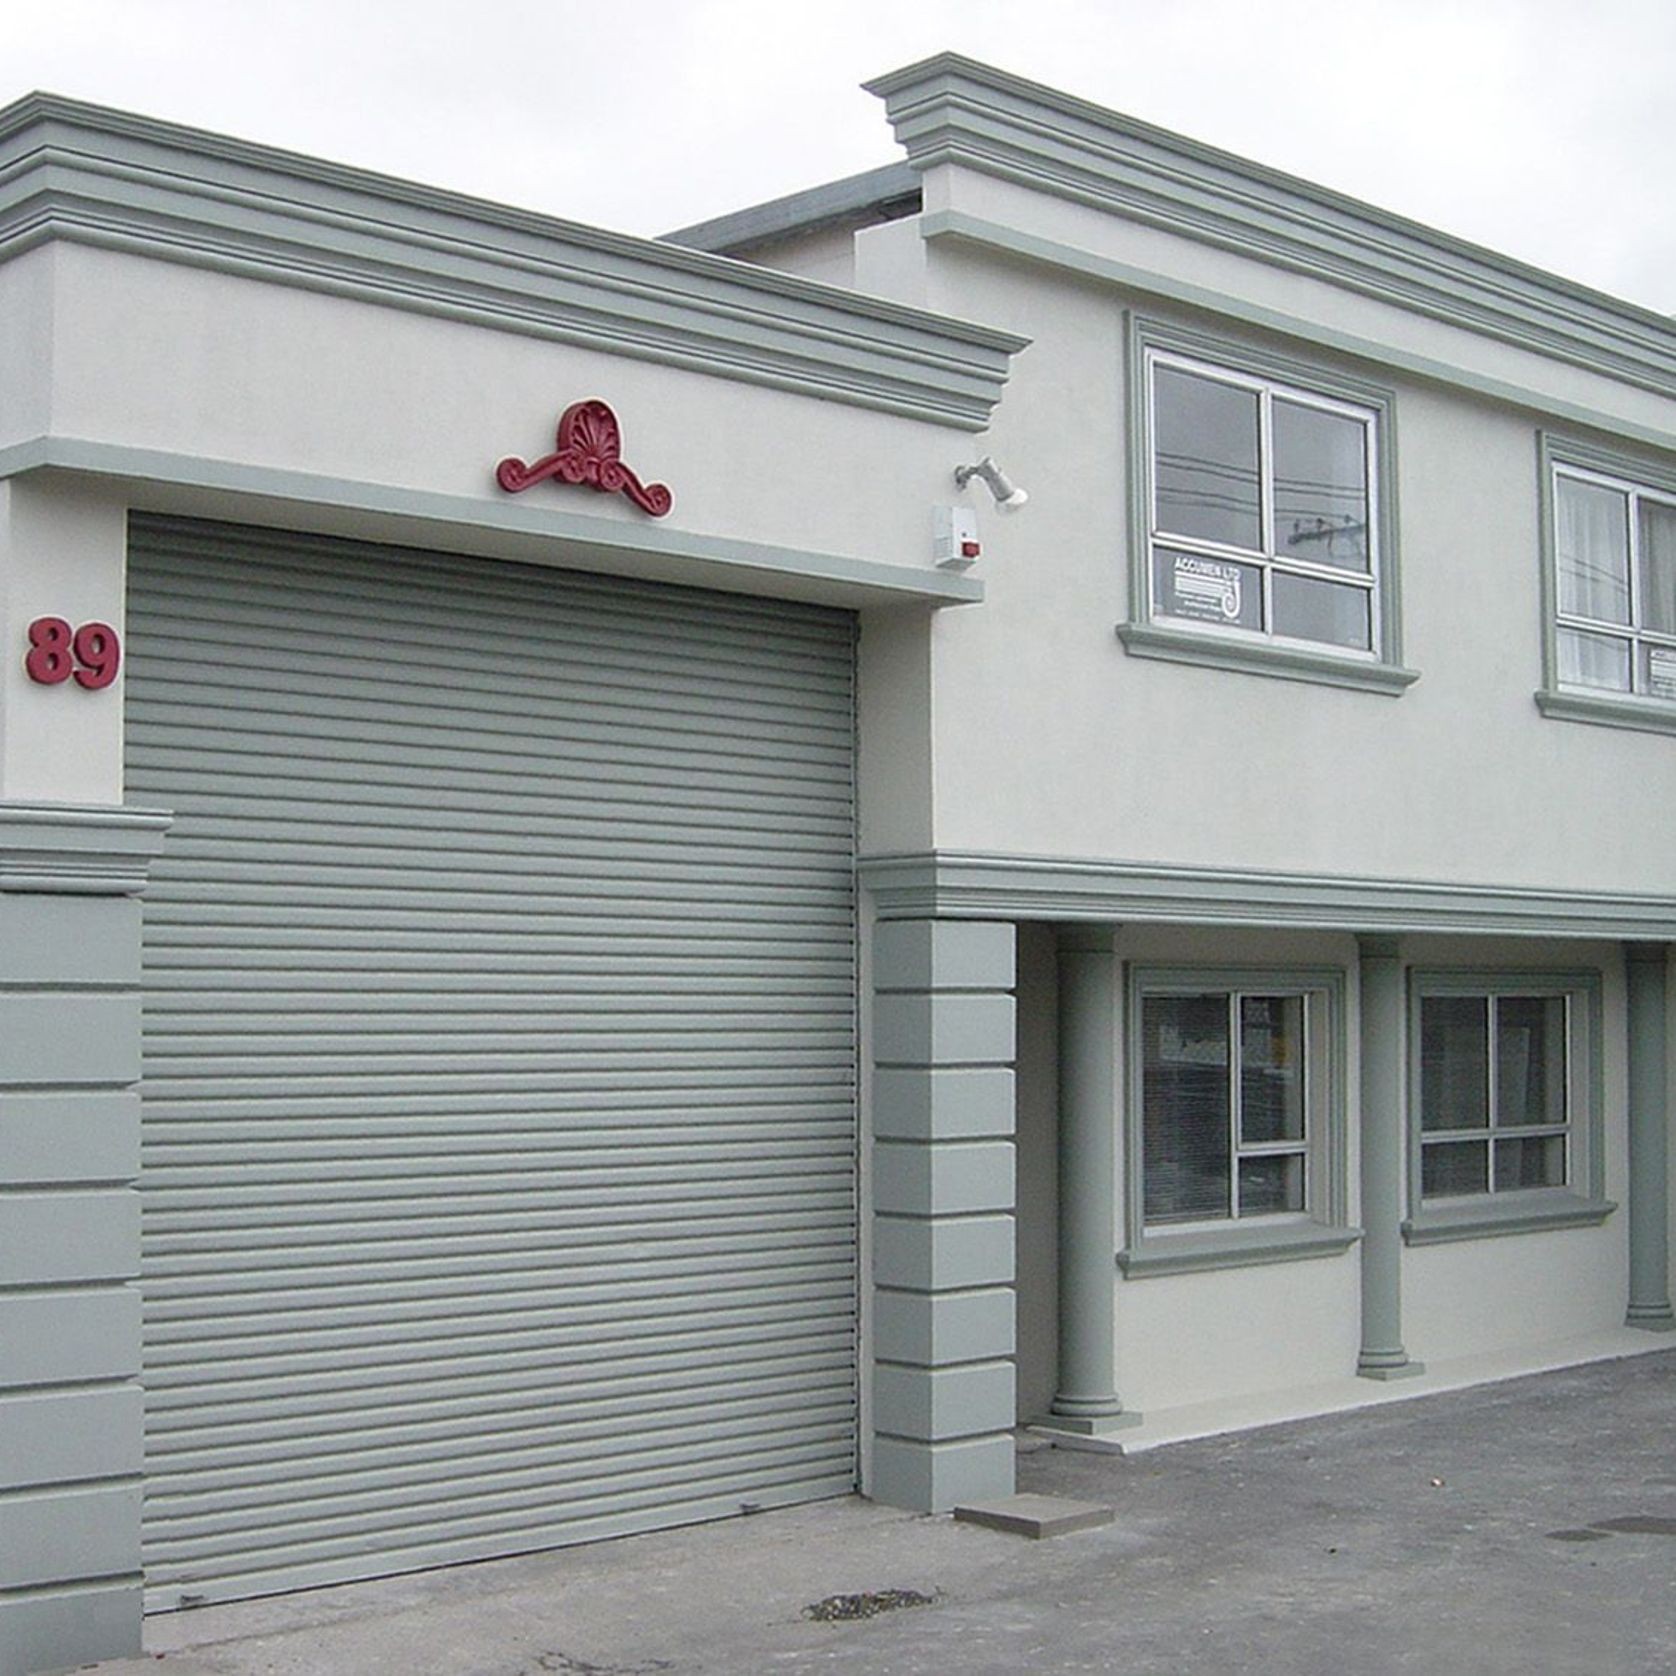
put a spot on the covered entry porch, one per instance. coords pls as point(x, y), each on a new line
point(1039, 1042)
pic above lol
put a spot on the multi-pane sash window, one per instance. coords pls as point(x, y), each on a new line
point(1615, 584)
point(1226, 1097)
point(1506, 1132)
point(1495, 1094)
point(1263, 516)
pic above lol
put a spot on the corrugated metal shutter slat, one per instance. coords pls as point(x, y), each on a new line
point(500, 1062)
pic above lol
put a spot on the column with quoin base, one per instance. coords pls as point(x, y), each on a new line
point(943, 1202)
point(71, 1422)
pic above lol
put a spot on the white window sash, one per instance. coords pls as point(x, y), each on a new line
point(1267, 560)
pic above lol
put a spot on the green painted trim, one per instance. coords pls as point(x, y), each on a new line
point(1324, 1232)
point(1641, 715)
point(980, 885)
point(1390, 356)
point(77, 849)
point(1651, 470)
point(189, 484)
point(952, 110)
point(1087, 1008)
point(1647, 1099)
point(1583, 1202)
point(1637, 711)
point(1565, 1210)
point(1145, 637)
point(81, 173)
point(1238, 1248)
point(1286, 663)
point(1382, 1131)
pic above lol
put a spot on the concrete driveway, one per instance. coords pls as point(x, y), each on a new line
point(1527, 1527)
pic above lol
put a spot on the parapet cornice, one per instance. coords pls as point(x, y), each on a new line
point(85, 174)
point(953, 110)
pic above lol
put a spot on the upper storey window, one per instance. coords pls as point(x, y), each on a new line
point(1615, 557)
point(1261, 508)
point(1265, 539)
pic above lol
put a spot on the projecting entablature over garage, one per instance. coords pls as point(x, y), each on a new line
point(228, 329)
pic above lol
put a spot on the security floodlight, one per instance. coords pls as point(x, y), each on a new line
point(1008, 496)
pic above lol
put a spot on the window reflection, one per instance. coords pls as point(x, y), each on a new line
point(1263, 506)
point(1592, 538)
point(1320, 486)
point(1207, 478)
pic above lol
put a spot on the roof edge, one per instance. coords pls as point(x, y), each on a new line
point(88, 174)
point(853, 201)
point(950, 109)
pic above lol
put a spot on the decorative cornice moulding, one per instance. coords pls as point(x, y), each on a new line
point(188, 485)
point(962, 884)
point(88, 175)
point(77, 849)
point(951, 109)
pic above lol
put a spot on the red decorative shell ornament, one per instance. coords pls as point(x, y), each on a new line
point(590, 447)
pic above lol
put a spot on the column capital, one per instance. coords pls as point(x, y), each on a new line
point(1378, 945)
point(78, 849)
point(1087, 939)
point(1648, 954)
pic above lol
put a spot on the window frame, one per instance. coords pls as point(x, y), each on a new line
point(1320, 1229)
point(1150, 633)
point(1638, 476)
point(1581, 1202)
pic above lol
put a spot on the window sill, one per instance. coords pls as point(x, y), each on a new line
point(1286, 663)
point(1233, 1248)
point(1511, 1213)
point(1646, 715)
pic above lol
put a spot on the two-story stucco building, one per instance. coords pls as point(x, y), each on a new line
point(557, 985)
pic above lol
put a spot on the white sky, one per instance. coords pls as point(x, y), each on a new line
point(1542, 128)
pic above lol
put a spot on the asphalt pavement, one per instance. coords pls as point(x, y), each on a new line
point(1524, 1527)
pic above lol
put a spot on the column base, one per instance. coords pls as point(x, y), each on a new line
point(1377, 1369)
point(1100, 1434)
point(1651, 1318)
point(937, 1477)
point(65, 1626)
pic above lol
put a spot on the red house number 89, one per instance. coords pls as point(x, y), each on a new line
point(91, 653)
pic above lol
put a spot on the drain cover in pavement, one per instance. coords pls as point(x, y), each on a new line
point(838, 1608)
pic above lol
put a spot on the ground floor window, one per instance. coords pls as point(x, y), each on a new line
point(1225, 1098)
point(1235, 1110)
point(1504, 1098)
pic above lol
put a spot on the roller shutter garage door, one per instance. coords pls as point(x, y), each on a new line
point(499, 1130)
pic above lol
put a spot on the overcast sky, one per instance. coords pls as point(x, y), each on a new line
point(1542, 128)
